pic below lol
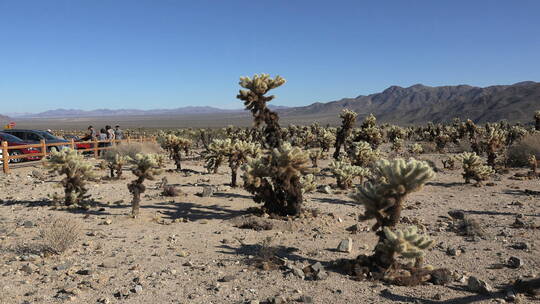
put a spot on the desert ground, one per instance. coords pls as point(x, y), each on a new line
point(191, 249)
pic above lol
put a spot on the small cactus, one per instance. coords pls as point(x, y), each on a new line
point(362, 154)
point(115, 162)
point(474, 169)
point(348, 119)
point(76, 170)
point(416, 148)
point(175, 145)
point(145, 168)
point(308, 183)
point(406, 243)
point(316, 154)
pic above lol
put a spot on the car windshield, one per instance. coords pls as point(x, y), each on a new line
point(48, 135)
point(10, 138)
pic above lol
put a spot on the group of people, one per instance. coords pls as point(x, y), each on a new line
point(107, 133)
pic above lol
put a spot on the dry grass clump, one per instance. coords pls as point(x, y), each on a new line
point(60, 235)
point(519, 153)
point(254, 223)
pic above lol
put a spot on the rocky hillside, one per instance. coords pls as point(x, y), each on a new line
point(420, 104)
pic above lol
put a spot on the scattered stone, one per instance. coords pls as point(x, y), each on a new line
point(277, 300)
point(306, 299)
point(28, 224)
point(514, 262)
point(345, 245)
point(138, 288)
point(298, 272)
point(227, 278)
point(477, 285)
point(315, 272)
point(207, 191)
point(62, 267)
point(441, 276)
point(85, 272)
point(29, 268)
point(326, 190)
point(520, 246)
point(108, 264)
point(183, 253)
point(106, 222)
point(453, 251)
point(104, 301)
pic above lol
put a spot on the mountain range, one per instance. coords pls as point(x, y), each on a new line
point(411, 105)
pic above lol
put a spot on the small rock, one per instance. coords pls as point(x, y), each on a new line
point(477, 285)
point(138, 288)
point(306, 299)
point(514, 262)
point(520, 246)
point(298, 272)
point(29, 268)
point(28, 224)
point(61, 267)
point(85, 272)
point(345, 245)
point(107, 222)
point(453, 251)
point(227, 278)
point(104, 301)
point(457, 214)
point(207, 191)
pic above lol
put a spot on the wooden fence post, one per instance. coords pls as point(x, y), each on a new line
point(72, 144)
point(96, 153)
point(5, 157)
point(43, 148)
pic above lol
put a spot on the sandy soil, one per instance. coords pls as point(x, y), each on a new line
point(187, 249)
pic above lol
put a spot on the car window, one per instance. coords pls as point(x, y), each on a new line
point(10, 138)
point(33, 137)
point(17, 134)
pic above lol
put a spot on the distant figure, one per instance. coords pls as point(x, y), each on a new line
point(110, 133)
point(90, 134)
point(118, 133)
point(102, 137)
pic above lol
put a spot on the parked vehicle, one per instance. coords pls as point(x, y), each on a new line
point(14, 141)
point(79, 144)
point(35, 137)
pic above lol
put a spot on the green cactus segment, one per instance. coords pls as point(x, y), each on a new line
point(345, 173)
point(175, 146)
point(145, 167)
point(76, 169)
point(407, 243)
point(383, 201)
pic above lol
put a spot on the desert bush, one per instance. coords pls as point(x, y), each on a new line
point(145, 168)
point(519, 153)
point(76, 170)
point(59, 235)
point(474, 169)
point(345, 173)
point(348, 119)
point(275, 179)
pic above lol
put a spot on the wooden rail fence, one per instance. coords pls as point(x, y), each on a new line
point(43, 147)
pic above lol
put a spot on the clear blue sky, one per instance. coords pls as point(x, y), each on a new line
point(164, 54)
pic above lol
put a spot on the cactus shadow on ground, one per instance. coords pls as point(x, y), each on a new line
point(194, 212)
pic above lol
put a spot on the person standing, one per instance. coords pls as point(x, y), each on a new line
point(110, 134)
point(118, 133)
point(90, 134)
point(102, 137)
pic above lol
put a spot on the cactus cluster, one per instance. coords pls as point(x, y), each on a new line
point(175, 145)
point(348, 119)
point(76, 170)
point(474, 169)
point(345, 173)
point(275, 179)
point(362, 154)
point(115, 162)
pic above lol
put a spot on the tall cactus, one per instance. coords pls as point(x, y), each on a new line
point(145, 168)
point(474, 169)
point(255, 100)
point(76, 170)
point(348, 119)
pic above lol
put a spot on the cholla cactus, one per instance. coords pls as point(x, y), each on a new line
point(369, 132)
point(441, 141)
point(325, 139)
point(348, 119)
point(255, 101)
point(145, 168)
point(395, 132)
point(115, 162)
point(537, 120)
point(308, 183)
point(416, 148)
point(239, 152)
point(175, 145)
point(361, 154)
point(345, 173)
point(450, 162)
point(274, 179)
point(316, 154)
point(406, 243)
point(494, 144)
point(515, 134)
point(76, 170)
point(384, 201)
point(216, 154)
point(474, 169)
point(397, 144)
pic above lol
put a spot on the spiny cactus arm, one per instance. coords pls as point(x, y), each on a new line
point(407, 243)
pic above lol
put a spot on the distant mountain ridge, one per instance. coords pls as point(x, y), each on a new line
point(421, 104)
point(413, 105)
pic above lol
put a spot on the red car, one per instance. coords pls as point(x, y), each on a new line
point(14, 141)
point(78, 144)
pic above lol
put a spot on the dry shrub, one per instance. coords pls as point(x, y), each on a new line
point(429, 147)
point(518, 154)
point(170, 190)
point(59, 235)
point(133, 149)
point(254, 223)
